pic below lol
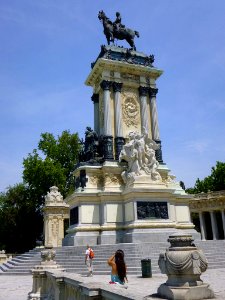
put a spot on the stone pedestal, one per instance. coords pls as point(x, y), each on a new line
point(108, 211)
point(183, 263)
point(55, 211)
point(40, 289)
point(185, 293)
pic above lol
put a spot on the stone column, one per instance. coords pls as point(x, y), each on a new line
point(223, 219)
point(95, 99)
point(143, 92)
point(214, 225)
point(119, 139)
point(202, 225)
point(154, 123)
point(107, 130)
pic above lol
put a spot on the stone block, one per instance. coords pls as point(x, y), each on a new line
point(185, 293)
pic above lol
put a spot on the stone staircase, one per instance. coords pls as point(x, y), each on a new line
point(72, 258)
point(21, 264)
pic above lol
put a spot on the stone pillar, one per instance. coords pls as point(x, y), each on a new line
point(95, 99)
point(143, 92)
point(214, 225)
point(55, 211)
point(223, 219)
point(107, 130)
point(119, 139)
point(202, 226)
point(154, 123)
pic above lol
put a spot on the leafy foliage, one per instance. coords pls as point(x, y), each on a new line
point(60, 156)
point(50, 164)
point(19, 218)
point(213, 182)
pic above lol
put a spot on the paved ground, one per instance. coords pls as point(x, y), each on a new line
point(17, 287)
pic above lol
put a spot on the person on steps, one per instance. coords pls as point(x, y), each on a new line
point(88, 261)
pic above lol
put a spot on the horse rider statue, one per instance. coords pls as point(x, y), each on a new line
point(117, 23)
point(116, 30)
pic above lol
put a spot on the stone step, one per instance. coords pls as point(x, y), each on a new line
point(72, 258)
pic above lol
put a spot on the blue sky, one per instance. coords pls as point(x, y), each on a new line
point(46, 50)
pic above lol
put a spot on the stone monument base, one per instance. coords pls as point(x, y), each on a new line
point(185, 293)
point(155, 235)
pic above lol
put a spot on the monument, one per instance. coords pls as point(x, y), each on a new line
point(124, 191)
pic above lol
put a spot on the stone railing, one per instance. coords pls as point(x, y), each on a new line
point(66, 286)
point(208, 200)
point(210, 195)
point(51, 282)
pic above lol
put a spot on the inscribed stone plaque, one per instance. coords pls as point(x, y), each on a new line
point(152, 210)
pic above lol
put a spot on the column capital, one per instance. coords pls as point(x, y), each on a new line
point(153, 92)
point(95, 98)
point(117, 86)
point(143, 90)
point(106, 85)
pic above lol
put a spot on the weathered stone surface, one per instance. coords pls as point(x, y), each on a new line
point(55, 211)
point(183, 263)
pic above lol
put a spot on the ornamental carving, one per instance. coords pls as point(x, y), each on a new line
point(106, 85)
point(153, 92)
point(183, 263)
point(55, 227)
point(93, 179)
point(131, 112)
point(117, 86)
point(53, 196)
point(96, 180)
point(113, 179)
point(139, 153)
point(130, 77)
point(207, 204)
point(48, 256)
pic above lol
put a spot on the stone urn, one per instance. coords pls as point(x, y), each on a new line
point(48, 256)
point(183, 263)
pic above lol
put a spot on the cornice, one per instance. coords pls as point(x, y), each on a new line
point(118, 66)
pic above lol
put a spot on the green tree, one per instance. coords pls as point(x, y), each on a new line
point(20, 220)
point(51, 164)
point(213, 182)
point(21, 216)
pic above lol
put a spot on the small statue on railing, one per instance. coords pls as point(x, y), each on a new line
point(116, 30)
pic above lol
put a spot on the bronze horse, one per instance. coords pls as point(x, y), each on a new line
point(111, 33)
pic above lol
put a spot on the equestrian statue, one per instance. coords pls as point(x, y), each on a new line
point(116, 30)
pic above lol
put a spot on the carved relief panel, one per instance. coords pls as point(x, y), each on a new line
point(130, 110)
